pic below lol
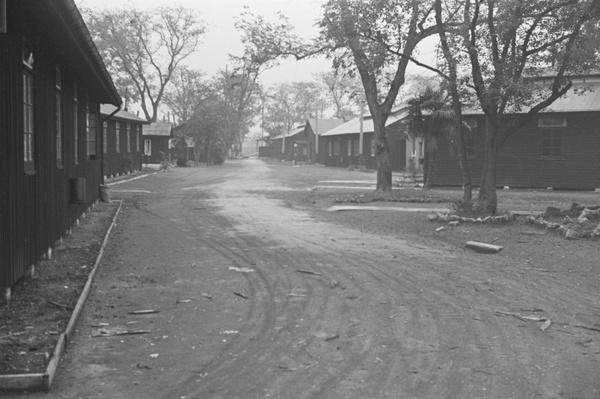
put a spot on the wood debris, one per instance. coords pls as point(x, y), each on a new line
point(308, 272)
point(116, 331)
point(587, 327)
point(240, 294)
point(241, 269)
point(145, 311)
point(544, 327)
point(483, 247)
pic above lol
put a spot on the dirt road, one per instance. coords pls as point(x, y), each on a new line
point(258, 299)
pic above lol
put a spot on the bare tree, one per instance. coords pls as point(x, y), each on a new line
point(144, 48)
point(345, 93)
point(186, 92)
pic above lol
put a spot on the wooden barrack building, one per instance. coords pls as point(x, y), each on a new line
point(52, 80)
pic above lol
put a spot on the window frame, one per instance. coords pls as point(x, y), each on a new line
point(75, 124)
point(549, 149)
point(3, 18)
point(128, 129)
point(105, 137)
point(90, 129)
point(58, 119)
point(552, 131)
point(562, 121)
point(137, 138)
point(148, 147)
point(28, 104)
point(117, 137)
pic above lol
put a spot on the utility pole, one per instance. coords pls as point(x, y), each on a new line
point(316, 136)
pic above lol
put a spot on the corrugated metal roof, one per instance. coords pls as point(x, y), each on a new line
point(294, 132)
point(107, 109)
point(324, 125)
point(353, 125)
point(157, 129)
point(583, 97)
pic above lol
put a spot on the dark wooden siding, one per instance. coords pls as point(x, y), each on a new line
point(396, 144)
point(520, 161)
point(36, 208)
point(159, 144)
point(122, 162)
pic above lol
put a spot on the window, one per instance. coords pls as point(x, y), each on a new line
point(91, 131)
point(349, 147)
point(58, 119)
point(552, 143)
point(372, 147)
point(549, 121)
point(75, 126)
point(356, 145)
point(104, 137)
point(128, 137)
point(147, 147)
point(117, 137)
point(330, 148)
point(137, 139)
point(552, 133)
point(336, 148)
point(28, 108)
point(2, 16)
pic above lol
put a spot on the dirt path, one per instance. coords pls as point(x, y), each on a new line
point(257, 299)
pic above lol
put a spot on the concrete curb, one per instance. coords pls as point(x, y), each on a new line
point(134, 178)
point(43, 381)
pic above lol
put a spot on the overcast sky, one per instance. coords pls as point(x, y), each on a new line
point(223, 39)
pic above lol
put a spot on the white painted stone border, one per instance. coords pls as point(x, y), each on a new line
point(43, 381)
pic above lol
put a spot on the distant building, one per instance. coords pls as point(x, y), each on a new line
point(558, 148)
point(343, 145)
point(122, 142)
point(156, 137)
point(300, 144)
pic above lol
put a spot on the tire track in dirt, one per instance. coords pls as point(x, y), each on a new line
point(385, 316)
point(453, 367)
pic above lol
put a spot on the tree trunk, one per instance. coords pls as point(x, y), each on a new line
point(462, 151)
point(487, 192)
point(456, 105)
point(384, 165)
point(430, 169)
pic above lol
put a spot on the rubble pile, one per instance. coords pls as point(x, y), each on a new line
point(577, 222)
point(452, 219)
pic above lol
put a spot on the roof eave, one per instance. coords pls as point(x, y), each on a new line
point(71, 19)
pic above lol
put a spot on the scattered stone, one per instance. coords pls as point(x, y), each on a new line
point(454, 223)
point(553, 211)
point(571, 234)
point(578, 222)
